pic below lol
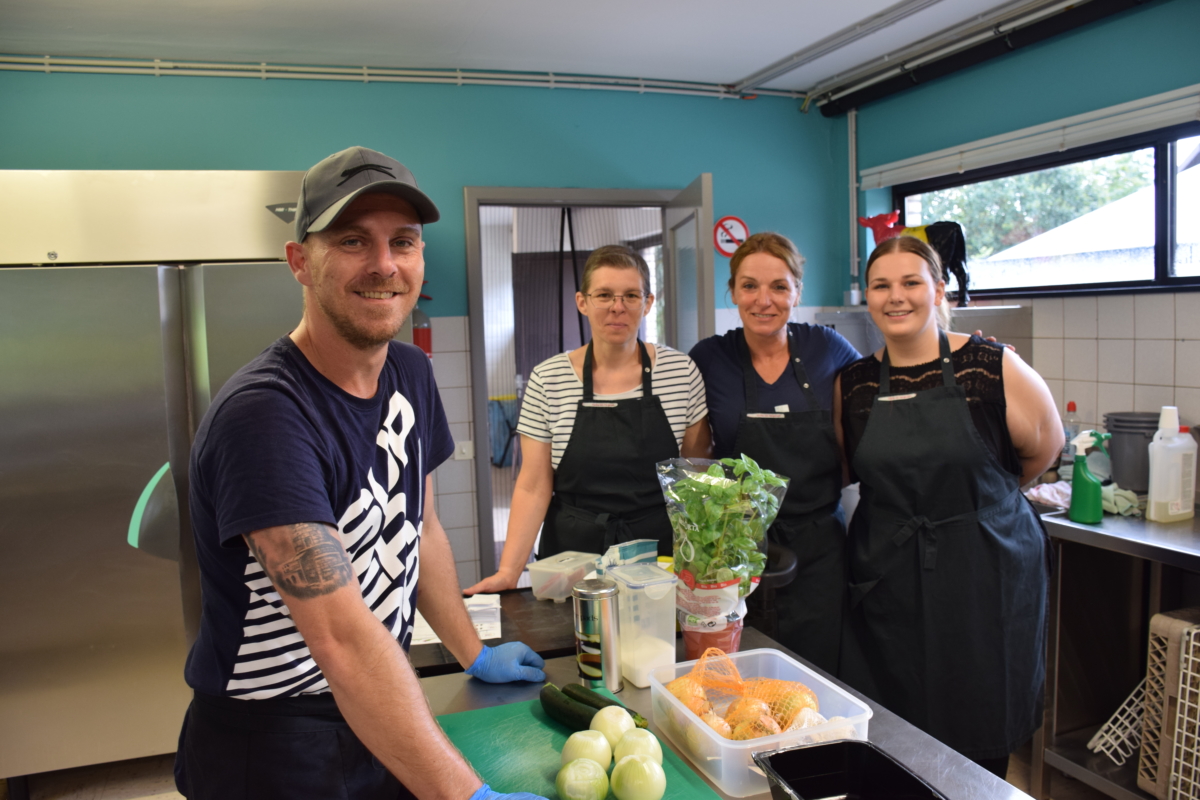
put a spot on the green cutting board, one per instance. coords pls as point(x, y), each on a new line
point(517, 748)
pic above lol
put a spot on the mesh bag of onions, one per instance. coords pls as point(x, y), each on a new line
point(744, 708)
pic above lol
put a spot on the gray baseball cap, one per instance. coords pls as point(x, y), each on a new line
point(334, 183)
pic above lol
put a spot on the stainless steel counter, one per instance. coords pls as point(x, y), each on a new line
point(943, 768)
point(1111, 578)
point(1173, 543)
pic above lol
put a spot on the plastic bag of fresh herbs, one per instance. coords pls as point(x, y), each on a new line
point(719, 512)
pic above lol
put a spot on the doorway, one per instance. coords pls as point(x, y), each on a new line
point(526, 252)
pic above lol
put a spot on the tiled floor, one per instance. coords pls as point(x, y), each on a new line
point(141, 779)
point(151, 779)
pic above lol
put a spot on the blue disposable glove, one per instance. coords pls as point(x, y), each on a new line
point(511, 661)
point(485, 792)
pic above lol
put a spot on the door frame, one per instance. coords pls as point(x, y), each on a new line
point(473, 198)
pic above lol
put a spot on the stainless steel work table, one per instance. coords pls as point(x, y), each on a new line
point(943, 768)
point(1110, 579)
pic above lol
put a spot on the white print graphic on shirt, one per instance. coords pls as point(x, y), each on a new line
point(273, 660)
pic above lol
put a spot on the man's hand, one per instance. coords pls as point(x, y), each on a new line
point(485, 793)
point(511, 661)
point(992, 339)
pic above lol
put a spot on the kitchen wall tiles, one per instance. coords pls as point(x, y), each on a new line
point(1153, 398)
point(468, 572)
point(1115, 361)
point(454, 481)
point(1154, 363)
point(1187, 315)
point(1047, 317)
point(449, 334)
point(1079, 359)
point(1154, 316)
point(1114, 316)
point(1048, 357)
point(1079, 317)
point(457, 510)
point(1084, 395)
point(726, 320)
point(457, 403)
point(450, 370)
point(1187, 363)
point(1113, 397)
point(1056, 391)
point(1147, 352)
point(456, 476)
point(1188, 401)
point(464, 543)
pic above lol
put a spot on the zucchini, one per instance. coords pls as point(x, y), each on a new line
point(595, 700)
point(560, 708)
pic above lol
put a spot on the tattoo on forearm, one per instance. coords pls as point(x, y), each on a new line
point(317, 563)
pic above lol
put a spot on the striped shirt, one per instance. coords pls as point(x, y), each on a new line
point(554, 392)
point(282, 445)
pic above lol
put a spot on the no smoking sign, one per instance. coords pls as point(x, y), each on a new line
point(728, 235)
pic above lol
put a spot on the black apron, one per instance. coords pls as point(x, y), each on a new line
point(946, 625)
point(802, 446)
point(605, 488)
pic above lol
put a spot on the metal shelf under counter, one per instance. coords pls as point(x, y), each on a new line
point(1110, 579)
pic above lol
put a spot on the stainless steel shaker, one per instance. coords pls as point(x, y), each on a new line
point(598, 634)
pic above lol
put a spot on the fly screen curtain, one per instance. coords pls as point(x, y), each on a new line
point(1126, 119)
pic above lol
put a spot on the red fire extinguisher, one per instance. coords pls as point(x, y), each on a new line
point(422, 333)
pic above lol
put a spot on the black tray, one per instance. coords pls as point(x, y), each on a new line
point(845, 769)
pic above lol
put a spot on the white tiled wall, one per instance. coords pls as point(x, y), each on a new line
point(1120, 353)
point(454, 481)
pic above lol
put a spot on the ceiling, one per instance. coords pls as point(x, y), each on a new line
point(692, 40)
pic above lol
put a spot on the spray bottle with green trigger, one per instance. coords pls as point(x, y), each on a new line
point(1085, 487)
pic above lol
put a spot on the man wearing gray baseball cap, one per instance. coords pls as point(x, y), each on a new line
point(312, 514)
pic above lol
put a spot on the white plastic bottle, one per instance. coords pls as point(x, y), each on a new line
point(1172, 470)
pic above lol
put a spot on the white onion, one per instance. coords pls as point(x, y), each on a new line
point(638, 778)
point(639, 742)
point(613, 722)
point(587, 744)
point(582, 779)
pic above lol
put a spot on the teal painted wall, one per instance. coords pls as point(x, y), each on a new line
point(1137, 53)
point(773, 166)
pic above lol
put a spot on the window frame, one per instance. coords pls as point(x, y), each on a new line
point(1164, 210)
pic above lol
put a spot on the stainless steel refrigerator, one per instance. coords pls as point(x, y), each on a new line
point(126, 300)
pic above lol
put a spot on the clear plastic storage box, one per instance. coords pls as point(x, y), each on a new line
point(647, 611)
point(728, 763)
point(553, 578)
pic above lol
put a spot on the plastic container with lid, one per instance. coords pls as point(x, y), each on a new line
point(647, 607)
point(1172, 456)
point(552, 578)
point(729, 763)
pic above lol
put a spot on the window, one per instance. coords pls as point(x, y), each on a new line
point(1119, 214)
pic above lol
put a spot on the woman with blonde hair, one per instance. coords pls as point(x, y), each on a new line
point(770, 390)
point(947, 560)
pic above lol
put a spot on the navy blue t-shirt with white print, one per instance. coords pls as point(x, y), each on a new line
point(282, 445)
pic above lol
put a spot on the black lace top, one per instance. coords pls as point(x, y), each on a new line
point(977, 367)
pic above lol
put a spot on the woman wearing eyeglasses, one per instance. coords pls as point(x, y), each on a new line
point(593, 424)
point(770, 395)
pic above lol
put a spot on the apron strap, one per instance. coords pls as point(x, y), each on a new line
point(750, 375)
point(589, 364)
point(927, 528)
point(948, 379)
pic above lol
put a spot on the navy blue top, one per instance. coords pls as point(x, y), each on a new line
point(823, 351)
point(281, 445)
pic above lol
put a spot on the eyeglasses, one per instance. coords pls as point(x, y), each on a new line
point(606, 299)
